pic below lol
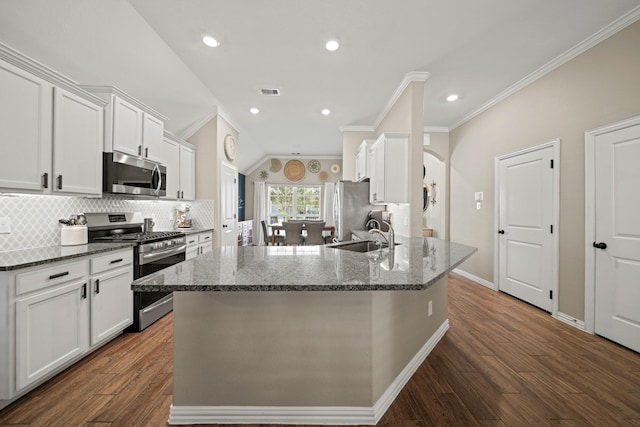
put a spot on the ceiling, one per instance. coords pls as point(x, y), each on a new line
point(152, 49)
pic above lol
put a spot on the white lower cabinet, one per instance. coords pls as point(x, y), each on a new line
point(54, 315)
point(199, 243)
point(111, 295)
point(50, 330)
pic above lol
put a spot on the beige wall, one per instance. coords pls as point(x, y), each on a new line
point(598, 87)
point(310, 178)
point(209, 143)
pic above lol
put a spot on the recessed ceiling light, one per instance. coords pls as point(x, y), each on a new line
point(332, 45)
point(210, 41)
point(326, 112)
point(254, 110)
point(452, 97)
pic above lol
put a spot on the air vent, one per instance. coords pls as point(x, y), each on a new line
point(270, 92)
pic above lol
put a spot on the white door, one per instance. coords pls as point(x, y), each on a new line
point(617, 233)
point(525, 218)
point(228, 205)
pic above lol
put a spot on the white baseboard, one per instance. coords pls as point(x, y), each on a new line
point(387, 398)
point(326, 415)
point(576, 323)
point(475, 278)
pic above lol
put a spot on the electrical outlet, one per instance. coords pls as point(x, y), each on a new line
point(430, 308)
point(5, 225)
point(478, 205)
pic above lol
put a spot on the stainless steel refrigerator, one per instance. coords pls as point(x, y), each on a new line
point(350, 208)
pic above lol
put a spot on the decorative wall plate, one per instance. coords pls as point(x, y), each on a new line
point(276, 165)
point(230, 147)
point(324, 175)
point(335, 168)
point(294, 170)
point(264, 174)
point(313, 166)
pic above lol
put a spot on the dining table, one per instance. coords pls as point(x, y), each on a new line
point(277, 227)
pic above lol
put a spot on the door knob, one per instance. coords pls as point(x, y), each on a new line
point(500, 231)
point(224, 226)
point(601, 245)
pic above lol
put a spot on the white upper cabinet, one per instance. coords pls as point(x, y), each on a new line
point(131, 127)
point(152, 135)
point(78, 140)
point(179, 158)
point(43, 135)
point(187, 173)
point(389, 176)
point(127, 128)
point(362, 160)
point(25, 129)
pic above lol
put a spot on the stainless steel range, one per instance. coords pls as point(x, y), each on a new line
point(152, 252)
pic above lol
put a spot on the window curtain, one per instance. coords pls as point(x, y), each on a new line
point(259, 211)
point(327, 203)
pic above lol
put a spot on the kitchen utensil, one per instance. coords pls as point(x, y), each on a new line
point(148, 225)
point(81, 220)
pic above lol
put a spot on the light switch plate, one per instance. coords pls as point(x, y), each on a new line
point(5, 225)
point(479, 196)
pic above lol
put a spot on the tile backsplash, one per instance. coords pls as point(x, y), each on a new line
point(34, 219)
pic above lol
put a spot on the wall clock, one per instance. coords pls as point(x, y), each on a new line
point(230, 147)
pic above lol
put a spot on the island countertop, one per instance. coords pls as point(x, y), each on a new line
point(415, 264)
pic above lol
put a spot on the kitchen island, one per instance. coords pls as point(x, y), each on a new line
point(303, 334)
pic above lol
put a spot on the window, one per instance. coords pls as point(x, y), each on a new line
point(294, 202)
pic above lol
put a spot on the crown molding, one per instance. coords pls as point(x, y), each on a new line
point(40, 70)
point(603, 34)
point(112, 90)
point(172, 137)
point(414, 76)
point(356, 129)
point(433, 129)
point(196, 126)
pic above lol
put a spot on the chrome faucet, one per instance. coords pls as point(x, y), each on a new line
point(376, 225)
point(391, 240)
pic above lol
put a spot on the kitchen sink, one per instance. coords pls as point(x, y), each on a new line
point(360, 246)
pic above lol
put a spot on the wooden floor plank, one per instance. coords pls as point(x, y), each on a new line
point(502, 363)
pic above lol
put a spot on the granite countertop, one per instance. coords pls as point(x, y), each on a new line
point(15, 260)
point(415, 264)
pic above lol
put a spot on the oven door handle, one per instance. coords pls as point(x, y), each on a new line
point(146, 258)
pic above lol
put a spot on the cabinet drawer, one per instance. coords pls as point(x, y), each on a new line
point(45, 277)
point(192, 240)
point(111, 260)
point(204, 237)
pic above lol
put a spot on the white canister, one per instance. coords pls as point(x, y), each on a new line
point(73, 235)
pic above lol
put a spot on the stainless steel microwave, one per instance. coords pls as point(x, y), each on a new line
point(123, 174)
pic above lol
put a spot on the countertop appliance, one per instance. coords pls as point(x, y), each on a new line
point(122, 174)
point(350, 208)
point(153, 251)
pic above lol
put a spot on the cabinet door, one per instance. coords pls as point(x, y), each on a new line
point(127, 128)
point(152, 138)
point(378, 171)
point(170, 159)
point(111, 303)
point(77, 141)
point(360, 165)
point(51, 329)
point(25, 130)
point(204, 248)
point(187, 173)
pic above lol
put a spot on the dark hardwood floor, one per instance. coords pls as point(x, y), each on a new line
point(502, 363)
